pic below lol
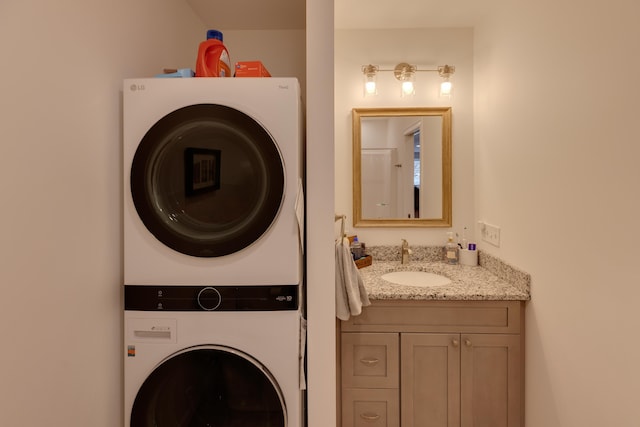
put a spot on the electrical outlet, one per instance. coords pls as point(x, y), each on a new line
point(491, 234)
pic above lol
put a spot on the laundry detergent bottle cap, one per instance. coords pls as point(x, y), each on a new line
point(215, 34)
point(213, 58)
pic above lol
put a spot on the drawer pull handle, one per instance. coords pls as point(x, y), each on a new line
point(455, 343)
point(467, 342)
point(369, 362)
point(370, 417)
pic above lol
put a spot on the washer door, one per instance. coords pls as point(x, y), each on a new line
point(207, 180)
point(206, 387)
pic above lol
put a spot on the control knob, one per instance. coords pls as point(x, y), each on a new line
point(209, 298)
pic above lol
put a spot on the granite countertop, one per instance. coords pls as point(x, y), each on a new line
point(491, 280)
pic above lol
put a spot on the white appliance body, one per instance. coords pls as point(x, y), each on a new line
point(206, 135)
point(160, 392)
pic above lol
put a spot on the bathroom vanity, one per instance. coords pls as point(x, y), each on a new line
point(441, 356)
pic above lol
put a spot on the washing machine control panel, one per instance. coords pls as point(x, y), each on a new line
point(211, 298)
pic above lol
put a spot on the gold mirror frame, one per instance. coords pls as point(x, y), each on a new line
point(445, 219)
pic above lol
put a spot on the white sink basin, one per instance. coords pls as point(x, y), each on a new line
point(420, 279)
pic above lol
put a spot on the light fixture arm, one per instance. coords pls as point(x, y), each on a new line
point(403, 68)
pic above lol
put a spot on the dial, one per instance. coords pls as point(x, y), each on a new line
point(209, 298)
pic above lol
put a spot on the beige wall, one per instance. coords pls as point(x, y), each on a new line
point(60, 180)
point(427, 48)
point(555, 149)
point(554, 168)
point(321, 344)
point(281, 51)
point(61, 188)
point(556, 142)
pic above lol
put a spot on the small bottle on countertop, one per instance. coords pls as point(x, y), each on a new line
point(451, 253)
point(357, 249)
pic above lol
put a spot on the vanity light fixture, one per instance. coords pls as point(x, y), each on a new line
point(405, 74)
point(370, 73)
point(446, 88)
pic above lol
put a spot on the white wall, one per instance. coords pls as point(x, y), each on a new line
point(60, 186)
point(281, 51)
point(557, 149)
point(555, 169)
point(427, 47)
point(321, 341)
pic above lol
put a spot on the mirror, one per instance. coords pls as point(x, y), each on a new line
point(402, 167)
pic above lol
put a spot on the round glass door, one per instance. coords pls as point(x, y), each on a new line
point(207, 180)
point(208, 387)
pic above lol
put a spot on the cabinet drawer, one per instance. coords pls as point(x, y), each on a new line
point(370, 360)
point(370, 408)
point(438, 316)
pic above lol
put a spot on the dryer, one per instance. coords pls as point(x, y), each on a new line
point(213, 181)
point(213, 356)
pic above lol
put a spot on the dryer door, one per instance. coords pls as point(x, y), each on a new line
point(209, 386)
point(207, 180)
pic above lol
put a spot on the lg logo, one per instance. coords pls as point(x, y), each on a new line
point(134, 87)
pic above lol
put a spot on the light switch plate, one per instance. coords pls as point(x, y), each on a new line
point(491, 234)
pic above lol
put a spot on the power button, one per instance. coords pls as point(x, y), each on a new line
point(209, 298)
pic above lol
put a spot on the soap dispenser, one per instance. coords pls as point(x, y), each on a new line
point(451, 250)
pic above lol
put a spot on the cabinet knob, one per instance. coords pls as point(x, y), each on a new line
point(467, 342)
point(455, 343)
point(369, 362)
point(370, 417)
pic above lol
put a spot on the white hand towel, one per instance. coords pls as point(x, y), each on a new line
point(351, 294)
point(303, 349)
point(299, 207)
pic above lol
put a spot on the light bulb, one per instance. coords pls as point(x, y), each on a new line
point(370, 88)
point(407, 88)
point(369, 73)
point(446, 88)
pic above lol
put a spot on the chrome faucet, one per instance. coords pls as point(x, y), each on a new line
point(405, 252)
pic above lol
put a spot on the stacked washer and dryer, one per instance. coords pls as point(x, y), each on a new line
point(213, 239)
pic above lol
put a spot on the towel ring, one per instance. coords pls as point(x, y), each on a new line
point(342, 218)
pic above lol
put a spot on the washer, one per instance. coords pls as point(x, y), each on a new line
point(213, 177)
point(212, 356)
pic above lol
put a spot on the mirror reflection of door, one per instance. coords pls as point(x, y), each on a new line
point(412, 177)
point(379, 171)
point(401, 167)
point(427, 155)
point(422, 181)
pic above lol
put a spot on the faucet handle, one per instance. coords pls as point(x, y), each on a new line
point(405, 251)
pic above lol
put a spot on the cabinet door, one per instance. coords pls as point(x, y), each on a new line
point(430, 380)
point(491, 380)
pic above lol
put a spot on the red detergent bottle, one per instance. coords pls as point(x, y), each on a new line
point(213, 58)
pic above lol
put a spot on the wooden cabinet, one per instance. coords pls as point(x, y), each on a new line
point(433, 364)
point(370, 379)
